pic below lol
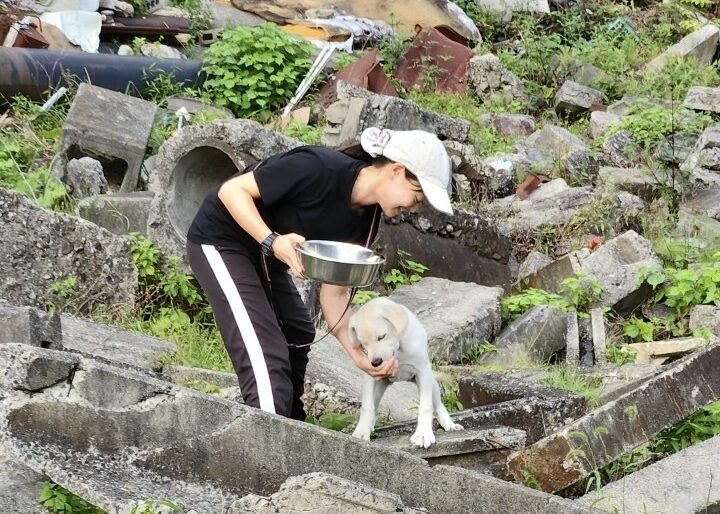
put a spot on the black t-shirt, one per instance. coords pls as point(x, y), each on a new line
point(306, 190)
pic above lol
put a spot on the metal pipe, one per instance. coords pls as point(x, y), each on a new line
point(33, 72)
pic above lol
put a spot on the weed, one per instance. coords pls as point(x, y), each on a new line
point(364, 296)
point(450, 396)
point(202, 386)
point(306, 133)
point(408, 273)
point(569, 379)
point(59, 500)
point(476, 352)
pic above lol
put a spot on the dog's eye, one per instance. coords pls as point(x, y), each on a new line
point(381, 337)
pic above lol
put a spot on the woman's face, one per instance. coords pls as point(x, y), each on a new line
point(400, 193)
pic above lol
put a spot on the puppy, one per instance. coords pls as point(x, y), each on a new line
point(385, 329)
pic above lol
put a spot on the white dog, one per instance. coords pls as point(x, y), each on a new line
point(385, 329)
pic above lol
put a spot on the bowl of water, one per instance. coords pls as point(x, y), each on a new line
point(341, 264)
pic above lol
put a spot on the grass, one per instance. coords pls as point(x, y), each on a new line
point(566, 378)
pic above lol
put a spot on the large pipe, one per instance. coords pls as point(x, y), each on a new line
point(33, 72)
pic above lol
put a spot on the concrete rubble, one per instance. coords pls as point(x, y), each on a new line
point(699, 45)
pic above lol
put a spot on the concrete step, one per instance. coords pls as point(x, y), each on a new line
point(20, 487)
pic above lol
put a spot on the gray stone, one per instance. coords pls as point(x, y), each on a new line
point(358, 109)
point(705, 316)
point(685, 482)
point(181, 375)
point(700, 45)
point(534, 262)
point(500, 176)
point(703, 98)
point(621, 150)
point(617, 427)
point(109, 124)
point(537, 335)
point(550, 276)
point(555, 140)
point(705, 155)
point(317, 493)
point(120, 213)
point(493, 82)
point(676, 148)
point(638, 181)
point(572, 340)
point(193, 161)
point(581, 166)
point(515, 126)
point(34, 370)
point(455, 315)
point(200, 452)
point(617, 265)
point(597, 323)
point(31, 326)
point(600, 122)
point(112, 344)
point(197, 106)
point(99, 385)
point(85, 177)
point(660, 352)
point(20, 487)
point(61, 246)
point(575, 98)
point(464, 160)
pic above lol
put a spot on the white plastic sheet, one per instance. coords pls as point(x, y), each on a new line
point(80, 27)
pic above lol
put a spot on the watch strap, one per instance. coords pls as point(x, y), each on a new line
point(266, 245)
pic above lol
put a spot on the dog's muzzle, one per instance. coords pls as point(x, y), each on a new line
point(376, 362)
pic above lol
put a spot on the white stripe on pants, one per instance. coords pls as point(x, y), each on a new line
point(257, 359)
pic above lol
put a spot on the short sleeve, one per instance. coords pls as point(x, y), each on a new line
point(290, 176)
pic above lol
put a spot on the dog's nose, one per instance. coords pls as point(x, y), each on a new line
point(376, 362)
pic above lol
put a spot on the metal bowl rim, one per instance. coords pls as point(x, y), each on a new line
point(304, 251)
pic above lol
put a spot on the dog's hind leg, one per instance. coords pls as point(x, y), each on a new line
point(441, 411)
point(366, 423)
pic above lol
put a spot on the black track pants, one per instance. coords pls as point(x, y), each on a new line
point(264, 325)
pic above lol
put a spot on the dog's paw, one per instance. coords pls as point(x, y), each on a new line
point(423, 438)
point(361, 433)
point(453, 427)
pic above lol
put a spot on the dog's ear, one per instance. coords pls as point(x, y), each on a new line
point(397, 316)
point(352, 331)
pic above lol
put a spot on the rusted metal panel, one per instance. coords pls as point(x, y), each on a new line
point(365, 72)
point(434, 62)
point(32, 72)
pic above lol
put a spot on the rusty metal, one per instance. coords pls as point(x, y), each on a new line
point(434, 62)
point(365, 72)
point(33, 72)
point(147, 26)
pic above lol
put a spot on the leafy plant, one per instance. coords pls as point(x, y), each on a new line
point(514, 306)
point(476, 352)
point(639, 330)
point(307, 133)
point(202, 386)
point(408, 273)
point(59, 500)
point(450, 396)
point(683, 288)
point(65, 289)
point(620, 354)
point(364, 296)
point(255, 70)
point(153, 507)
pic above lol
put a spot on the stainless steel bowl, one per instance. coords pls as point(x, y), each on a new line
point(342, 264)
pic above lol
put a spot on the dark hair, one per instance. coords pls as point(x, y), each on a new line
point(357, 151)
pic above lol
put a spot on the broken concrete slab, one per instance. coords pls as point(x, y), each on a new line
point(600, 122)
point(322, 492)
point(358, 109)
point(108, 124)
point(574, 98)
point(705, 316)
point(620, 149)
point(493, 82)
point(572, 340)
point(659, 352)
point(28, 371)
point(456, 315)
point(465, 247)
point(120, 213)
point(556, 141)
point(638, 181)
point(112, 344)
point(63, 247)
point(29, 325)
point(699, 45)
point(20, 487)
point(193, 161)
point(537, 335)
point(618, 380)
point(181, 375)
point(703, 99)
point(515, 126)
point(202, 451)
point(85, 177)
point(682, 483)
point(617, 427)
point(597, 324)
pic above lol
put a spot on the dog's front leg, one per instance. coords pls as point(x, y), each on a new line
point(366, 423)
point(423, 435)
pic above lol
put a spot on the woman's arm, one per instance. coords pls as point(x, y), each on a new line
point(238, 195)
point(333, 301)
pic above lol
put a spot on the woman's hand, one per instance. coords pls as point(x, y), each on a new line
point(388, 369)
point(285, 249)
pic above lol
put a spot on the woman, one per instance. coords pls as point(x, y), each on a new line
point(244, 238)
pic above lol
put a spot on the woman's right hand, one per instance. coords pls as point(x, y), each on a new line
point(285, 249)
point(388, 369)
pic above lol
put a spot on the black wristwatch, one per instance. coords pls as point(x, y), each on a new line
point(266, 245)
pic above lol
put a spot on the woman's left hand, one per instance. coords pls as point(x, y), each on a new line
point(285, 249)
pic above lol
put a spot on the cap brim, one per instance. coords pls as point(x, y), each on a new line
point(437, 196)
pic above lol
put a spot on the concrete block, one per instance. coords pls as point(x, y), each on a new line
point(112, 344)
point(702, 316)
point(638, 181)
point(659, 352)
point(201, 452)
point(29, 325)
point(683, 483)
point(550, 277)
point(538, 335)
point(575, 98)
point(597, 323)
point(598, 438)
point(455, 315)
point(181, 375)
point(572, 340)
point(110, 124)
point(555, 140)
point(600, 122)
point(35, 369)
point(700, 45)
point(703, 99)
point(120, 213)
point(19, 487)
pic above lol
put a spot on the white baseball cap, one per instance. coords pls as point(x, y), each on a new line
point(421, 153)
